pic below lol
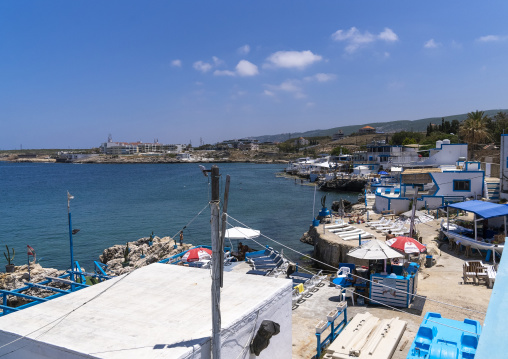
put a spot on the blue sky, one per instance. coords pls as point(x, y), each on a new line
point(71, 72)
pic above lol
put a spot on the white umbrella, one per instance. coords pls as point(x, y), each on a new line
point(374, 249)
point(241, 233)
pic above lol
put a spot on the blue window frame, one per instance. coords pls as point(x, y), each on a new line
point(462, 185)
point(506, 162)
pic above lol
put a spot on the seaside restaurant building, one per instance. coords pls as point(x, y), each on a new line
point(157, 311)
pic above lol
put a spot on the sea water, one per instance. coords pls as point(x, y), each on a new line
point(119, 203)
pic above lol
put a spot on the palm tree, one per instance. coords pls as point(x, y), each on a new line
point(474, 130)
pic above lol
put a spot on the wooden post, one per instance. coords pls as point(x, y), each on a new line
point(216, 265)
point(223, 229)
point(447, 218)
point(413, 210)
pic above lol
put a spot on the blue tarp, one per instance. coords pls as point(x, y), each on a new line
point(482, 209)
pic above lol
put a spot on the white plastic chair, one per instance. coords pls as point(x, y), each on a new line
point(347, 292)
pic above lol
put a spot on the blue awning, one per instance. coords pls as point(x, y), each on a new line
point(482, 209)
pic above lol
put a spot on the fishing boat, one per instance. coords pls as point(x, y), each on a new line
point(462, 235)
point(469, 237)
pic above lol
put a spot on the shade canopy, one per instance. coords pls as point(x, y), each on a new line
point(482, 209)
point(406, 245)
point(374, 249)
point(241, 233)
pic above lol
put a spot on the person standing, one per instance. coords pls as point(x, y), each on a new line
point(181, 238)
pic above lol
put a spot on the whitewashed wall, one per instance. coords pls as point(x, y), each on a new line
point(400, 205)
point(445, 180)
point(504, 163)
point(449, 154)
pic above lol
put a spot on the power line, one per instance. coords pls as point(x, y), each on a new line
point(59, 319)
point(328, 265)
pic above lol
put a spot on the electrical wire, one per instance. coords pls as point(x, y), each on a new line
point(389, 306)
point(402, 311)
point(59, 319)
point(192, 220)
point(328, 265)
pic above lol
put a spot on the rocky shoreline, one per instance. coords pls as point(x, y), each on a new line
point(142, 252)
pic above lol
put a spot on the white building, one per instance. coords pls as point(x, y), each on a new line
point(436, 186)
point(446, 153)
point(131, 148)
point(157, 311)
point(503, 159)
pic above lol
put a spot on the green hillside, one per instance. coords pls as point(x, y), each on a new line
point(387, 127)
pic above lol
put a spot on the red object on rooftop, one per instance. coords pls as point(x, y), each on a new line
point(197, 254)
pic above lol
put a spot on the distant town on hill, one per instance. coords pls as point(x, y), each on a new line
point(386, 127)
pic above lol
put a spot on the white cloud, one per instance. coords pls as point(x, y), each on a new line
point(456, 45)
point(269, 93)
point(492, 38)
point(291, 86)
point(292, 59)
point(431, 44)
point(244, 50)
point(310, 104)
point(388, 35)
point(354, 39)
point(246, 68)
point(202, 66)
point(224, 73)
point(217, 61)
point(321, 77)
point(176, 63)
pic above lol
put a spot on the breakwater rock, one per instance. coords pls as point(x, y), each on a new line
point(142, 252)
point(19, 277)
point(343, 184)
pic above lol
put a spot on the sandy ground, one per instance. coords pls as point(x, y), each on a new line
point(442, 282)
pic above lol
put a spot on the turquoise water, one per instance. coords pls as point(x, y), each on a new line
point(116, 203)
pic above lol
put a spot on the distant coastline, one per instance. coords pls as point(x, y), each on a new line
point(142, 160)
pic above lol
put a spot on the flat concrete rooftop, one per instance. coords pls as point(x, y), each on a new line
point(126, 317)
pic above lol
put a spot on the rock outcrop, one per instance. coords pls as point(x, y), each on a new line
point(141, 252)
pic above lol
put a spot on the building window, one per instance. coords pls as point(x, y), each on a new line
point(462, 185)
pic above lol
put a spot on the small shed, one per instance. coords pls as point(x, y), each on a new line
point(158, 311)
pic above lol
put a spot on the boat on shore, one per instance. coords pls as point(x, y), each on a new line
point(461, 236)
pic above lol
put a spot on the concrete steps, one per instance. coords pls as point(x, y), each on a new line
point(493, 189)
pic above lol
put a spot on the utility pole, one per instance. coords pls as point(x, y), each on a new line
point(69, 197)
point(216, 263)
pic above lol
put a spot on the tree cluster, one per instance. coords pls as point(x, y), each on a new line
point(444, 127)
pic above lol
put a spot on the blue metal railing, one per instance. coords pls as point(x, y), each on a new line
point(335, 330)
point(67, 278)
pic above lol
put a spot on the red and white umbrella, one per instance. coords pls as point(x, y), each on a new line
point(406, 245)
point(197, 254)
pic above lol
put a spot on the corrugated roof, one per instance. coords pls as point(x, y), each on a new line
point(415, 171)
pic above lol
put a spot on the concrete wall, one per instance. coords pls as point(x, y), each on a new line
point(402, 204)
point(503, 159)
point(447, 154)
point(444, 182)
